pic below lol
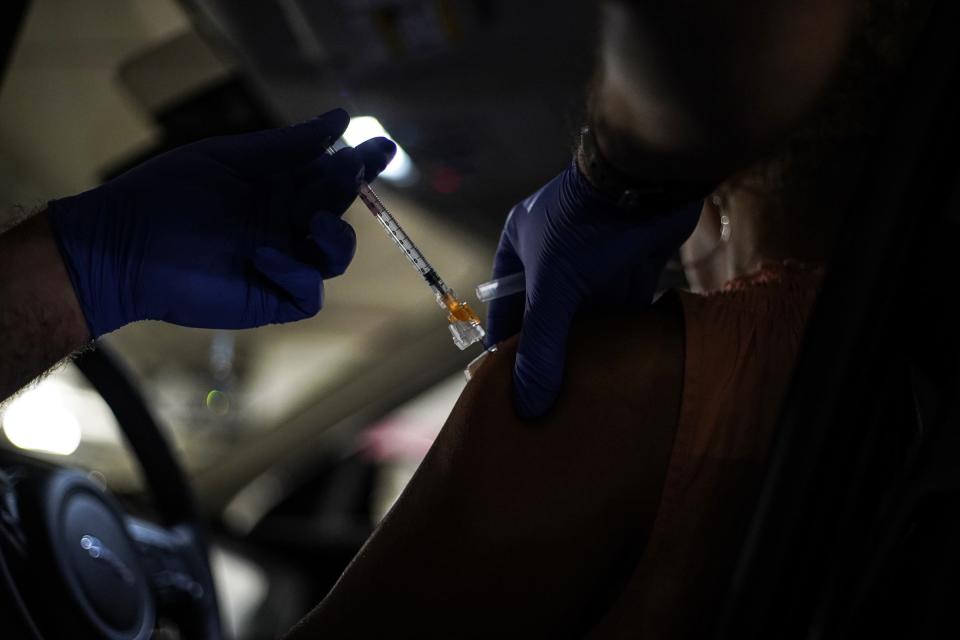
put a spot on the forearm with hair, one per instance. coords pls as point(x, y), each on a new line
point(40, 319)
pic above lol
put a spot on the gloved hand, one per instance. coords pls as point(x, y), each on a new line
point(576, 249)
point(230, 232)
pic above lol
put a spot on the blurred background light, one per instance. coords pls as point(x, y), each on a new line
point(38, 420)
point(218, 402)
point(400, 171)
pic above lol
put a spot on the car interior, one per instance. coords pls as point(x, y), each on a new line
point(225, 479)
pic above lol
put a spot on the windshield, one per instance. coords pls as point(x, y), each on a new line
point(88, 93)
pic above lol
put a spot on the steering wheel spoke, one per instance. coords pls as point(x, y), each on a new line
point(175, 571)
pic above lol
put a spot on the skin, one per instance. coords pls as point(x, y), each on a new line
point(711, 262)
point(40, 318)
point(533, 528)
point(520, 526)
point(691, 108)
point(43, 318)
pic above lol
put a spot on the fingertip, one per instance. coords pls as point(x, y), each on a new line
point(338, 187)
point(540, 363)
point(504, 318)
point(384, 146)
point(318, 134)
point(387, 146)
point(348, 164)
point(336, 120)
point(377, 154)
point(531, 399)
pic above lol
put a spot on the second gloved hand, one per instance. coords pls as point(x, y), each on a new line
point(230, 232)
point(576, 249)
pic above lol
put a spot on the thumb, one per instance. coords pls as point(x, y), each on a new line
point(376, 153)
point(505, 315)
point(280, 149)
point(542, 352)
point(301, 284)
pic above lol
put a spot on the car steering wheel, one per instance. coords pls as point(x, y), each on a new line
point(76, 566)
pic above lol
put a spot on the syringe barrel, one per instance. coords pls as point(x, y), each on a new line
point(395, 231)
point(464, 324)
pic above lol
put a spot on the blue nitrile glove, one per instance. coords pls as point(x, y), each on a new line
point(576, 248)
point(230, 232)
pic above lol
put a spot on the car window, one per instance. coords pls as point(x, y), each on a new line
point(233, 403)
point(62, 419)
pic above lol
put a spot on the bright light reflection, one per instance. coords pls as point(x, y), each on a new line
point(362, 128)
point(38, 420)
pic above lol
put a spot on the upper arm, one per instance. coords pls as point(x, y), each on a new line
point(525, 524)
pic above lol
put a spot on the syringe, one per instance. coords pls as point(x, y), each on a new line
point(464, 323)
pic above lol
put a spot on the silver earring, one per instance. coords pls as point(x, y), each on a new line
point(725, 229)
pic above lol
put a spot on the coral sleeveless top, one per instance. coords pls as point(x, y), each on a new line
point(740, 349)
